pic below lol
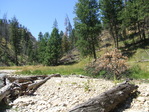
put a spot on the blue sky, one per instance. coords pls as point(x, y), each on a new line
point(39, 15)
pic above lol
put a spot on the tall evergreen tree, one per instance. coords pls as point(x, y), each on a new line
point(15, 38)
point(87, 24)
point(61, 34)
point(134, 16)
point(73, 39)
point(40, 36)
point(5, 29)
point(110, 10)
point(42, 44)
point(65, 44)
point(53, 49)
point(55, 24)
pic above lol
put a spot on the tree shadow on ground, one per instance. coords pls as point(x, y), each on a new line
point(126, 104)
point(131, 49)
point(4, 107)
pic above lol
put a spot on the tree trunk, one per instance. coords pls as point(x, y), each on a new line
point(32, 87)
point(108, 100)
point(93, 49)
point(139, 31)
point(22, 79)
point(4, 91)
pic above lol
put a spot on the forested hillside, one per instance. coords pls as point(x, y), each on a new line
point(126, 23)
point(17, 45)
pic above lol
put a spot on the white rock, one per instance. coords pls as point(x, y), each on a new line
point(146, 94)
point(141, 99)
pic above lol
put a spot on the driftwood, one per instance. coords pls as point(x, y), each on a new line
point(22, 85)
point(21, 79)
point(108, 100)
point(35, 85)
point(4, 91)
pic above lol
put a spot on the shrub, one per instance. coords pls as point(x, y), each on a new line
point(113, 63)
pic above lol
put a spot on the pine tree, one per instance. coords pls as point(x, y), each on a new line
point(73, 39)
point(53, 49)
point(15, 38)
point(87, 24)
point(40, 36)
point(42, 44)
point(133, 17)
point(65, 44)
point(61, 34)
point(55, 24)
point(5, 29)
point(110, 10)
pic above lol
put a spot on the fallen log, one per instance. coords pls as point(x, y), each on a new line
point(108, 100)
point(22, 79)
point(27, 86)
point(4, 91)
point(32, 87)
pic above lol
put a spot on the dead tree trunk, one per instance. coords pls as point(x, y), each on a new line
point(32, 87)
point(21, 79)
point(108, 100)
point(4, 91)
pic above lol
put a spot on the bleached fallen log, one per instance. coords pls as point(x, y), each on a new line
point(108, 100)
point(35, 85)
point(21, 79)
point(22, 85)
point(4, 91)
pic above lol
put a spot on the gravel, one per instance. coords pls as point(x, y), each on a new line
point(62, 94)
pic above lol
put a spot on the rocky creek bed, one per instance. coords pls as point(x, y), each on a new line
point(60, 94)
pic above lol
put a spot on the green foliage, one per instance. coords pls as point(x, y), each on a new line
point(42, 43)
point(86, 85)
point(134, 18)
point(87, 24)
point(15, 38)
point(35, 72)
point(110, 10)
point(53, 49)
point(17, 43)
point(137, 73)
point(65, 44)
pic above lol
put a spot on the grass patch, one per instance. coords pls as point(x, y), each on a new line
point(77, 68)
point(11, 68)
point(137, 73)
point(139, 70)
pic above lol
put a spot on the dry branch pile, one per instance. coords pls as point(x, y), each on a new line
point(112, 62)
point(16, 86)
